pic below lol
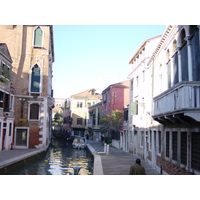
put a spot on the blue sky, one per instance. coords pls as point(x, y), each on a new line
point(95, 56)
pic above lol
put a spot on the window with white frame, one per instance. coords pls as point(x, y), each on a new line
point(34, 111)
point(35, 79)
point(21, 137)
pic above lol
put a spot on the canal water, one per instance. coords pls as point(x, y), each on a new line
point(60, 160)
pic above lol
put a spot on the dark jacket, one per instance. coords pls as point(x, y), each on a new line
point(137, 170)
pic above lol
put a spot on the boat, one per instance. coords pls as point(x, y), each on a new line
point(78, 143)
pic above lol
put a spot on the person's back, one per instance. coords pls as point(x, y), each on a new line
point(137, 169)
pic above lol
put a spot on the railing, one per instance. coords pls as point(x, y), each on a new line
point(183, 97)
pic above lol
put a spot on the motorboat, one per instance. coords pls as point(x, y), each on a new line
point(78, 143)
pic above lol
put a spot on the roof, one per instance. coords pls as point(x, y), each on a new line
point(5, 52)
point(141, 47)
point(164, 36)
point(123, 84)
point(86, 94)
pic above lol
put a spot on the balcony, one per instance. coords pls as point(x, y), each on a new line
point(179, 104)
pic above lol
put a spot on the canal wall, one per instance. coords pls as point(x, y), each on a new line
point(97, 166)
point(9, 165)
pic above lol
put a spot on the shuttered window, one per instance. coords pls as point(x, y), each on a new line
point(167, 145)
point(174, 145)
point(184, 148)
point(196, 151)
point(34, 111)
point(134, 108)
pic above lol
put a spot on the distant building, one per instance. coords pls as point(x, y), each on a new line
point(31, 48)
point(95, 113)
point(58, 106)
point(115, 97)
point(79, 104)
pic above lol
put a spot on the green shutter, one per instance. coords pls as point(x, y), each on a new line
point(38, 37)
point(35, 79)
point(134, 108)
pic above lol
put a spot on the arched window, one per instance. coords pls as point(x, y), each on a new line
point(175, 63)
point(168, 63)
point(184, 56)
point(38, 34)
point(194, 33)
point(35, 79)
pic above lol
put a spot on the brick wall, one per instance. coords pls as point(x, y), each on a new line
point(171, 168)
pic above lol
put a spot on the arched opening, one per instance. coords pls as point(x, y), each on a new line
point(35, 79)
point(194, 32)
point(175, 63)
point(184, 55)
point(168, 63)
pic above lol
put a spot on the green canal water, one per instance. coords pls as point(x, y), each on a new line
point(60, 160)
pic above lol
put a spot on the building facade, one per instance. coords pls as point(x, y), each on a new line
point(116, 97)
point(6, 99)
point(79, 104)
point(137, 125)
point(32, 51)
point(176, 101)
point(95, 113)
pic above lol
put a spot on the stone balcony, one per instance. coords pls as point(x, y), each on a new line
point(179, 104)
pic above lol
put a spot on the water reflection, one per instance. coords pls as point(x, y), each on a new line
point(59, 160)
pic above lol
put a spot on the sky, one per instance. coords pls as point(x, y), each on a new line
point(95, 56)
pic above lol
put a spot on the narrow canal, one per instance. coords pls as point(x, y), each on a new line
point(60, 160)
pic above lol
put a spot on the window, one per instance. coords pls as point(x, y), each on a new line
point(35, 79)
point(142, 139)
point(5, 70)
point(150, 140)
point(196, 151)
point(38, 34)
point(10, 129)
point(79, 121)
point(184, 148)
point(21, 137)
point(125, 115)
point(143, 76)
point(167, 145)
point(137, 81)
point(174, 145)
point(159, 141)
point(131, 85)
point(134, 108)
point(34, 111)
point(79, 104)
point(5, 101)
